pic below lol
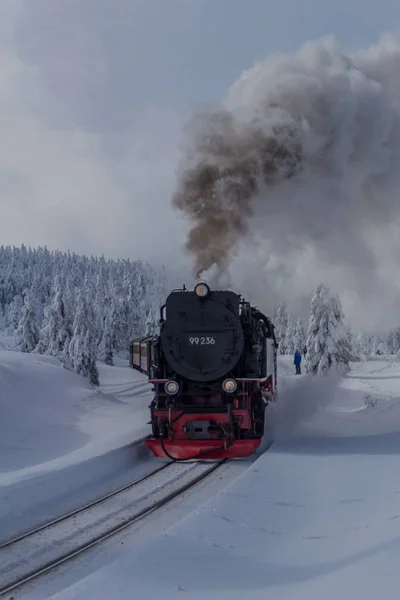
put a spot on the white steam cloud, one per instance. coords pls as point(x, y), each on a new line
point(299, 173)
point(300, 401)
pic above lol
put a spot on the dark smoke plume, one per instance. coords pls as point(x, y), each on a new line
point(233, 160)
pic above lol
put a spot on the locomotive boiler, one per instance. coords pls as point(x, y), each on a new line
point(213, 368)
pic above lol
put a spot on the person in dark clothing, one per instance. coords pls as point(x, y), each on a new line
point(305, 350)
point(297, 362)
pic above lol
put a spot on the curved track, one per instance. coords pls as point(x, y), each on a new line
point(76, 511)
point(51, 544)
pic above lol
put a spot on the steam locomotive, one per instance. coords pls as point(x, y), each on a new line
point(214, 370)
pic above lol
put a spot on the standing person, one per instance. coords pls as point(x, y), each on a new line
point(297, 362)
point(305, 351)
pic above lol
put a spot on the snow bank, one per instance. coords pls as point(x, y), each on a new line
point(62, 442)
point(40, 405)
point(315, 517)
point(52, 418)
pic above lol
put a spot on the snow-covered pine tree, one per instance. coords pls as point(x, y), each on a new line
point(27, 334)
point(299, 339)
point(392, 341)
point(343, 336)
point(56, 333)
point(317, 334)
point(327, 339)
point(14, 313)
point(106, 342)
point(2, 319)
point(366, 342)
point(91, 307)
point(102, 300)
point(289, 337)
point(90, 353)
point(281, 324)
point(37, 296)
point(82, 349)
point(380, 345)
point(396, 340)
point(359, 347)
point(151, 324)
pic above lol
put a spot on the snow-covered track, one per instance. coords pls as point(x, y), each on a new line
point(38, 551)
point(80, 509)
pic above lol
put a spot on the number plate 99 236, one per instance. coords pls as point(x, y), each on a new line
point(202, 341)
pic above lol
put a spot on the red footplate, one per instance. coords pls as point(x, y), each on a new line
point(202, 449)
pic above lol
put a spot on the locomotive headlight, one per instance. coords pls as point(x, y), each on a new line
point(202, 290)
point(229, 386)
point(171, 387)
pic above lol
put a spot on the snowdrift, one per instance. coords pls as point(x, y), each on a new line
point(52, 418)
point(41, 404)
point(62, 442)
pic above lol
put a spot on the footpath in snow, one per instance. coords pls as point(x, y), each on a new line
point(316, 517)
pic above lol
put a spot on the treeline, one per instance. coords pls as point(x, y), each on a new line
point(83, 309)
point(77, 308)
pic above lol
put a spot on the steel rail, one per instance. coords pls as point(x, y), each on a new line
point(109, 533)
point(80, 509)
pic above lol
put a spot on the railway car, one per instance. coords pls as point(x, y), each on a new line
point(214, 369)
point(138, 354)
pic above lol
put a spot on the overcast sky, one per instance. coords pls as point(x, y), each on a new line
point(94, 95)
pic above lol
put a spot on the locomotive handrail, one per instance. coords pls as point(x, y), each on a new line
point(162, 309)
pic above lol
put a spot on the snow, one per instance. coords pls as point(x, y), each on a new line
point(317, 516)
point(61, 418)
point(62, 441)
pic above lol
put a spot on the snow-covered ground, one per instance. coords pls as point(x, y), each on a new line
point(61, 440)
point(52, 418)
point(317, 516)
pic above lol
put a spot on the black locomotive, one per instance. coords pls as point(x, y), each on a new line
point(213, 367)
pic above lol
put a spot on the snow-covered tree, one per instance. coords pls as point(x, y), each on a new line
point(56, 333)
point(391, 341)
point(106, 343)
point(82, 350)
point(289, 337)
point(380, 348)
point(343, 348)
point(123, 298)
point(281, 322)
point(27, 334)
point(14, 312)
point(2, 319)
point(91, 370)
point(359, 347)
point(299, 339)
point(327, 339)
point(151, 324)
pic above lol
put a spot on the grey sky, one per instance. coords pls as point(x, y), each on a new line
point(104, 60)
point(94, 95)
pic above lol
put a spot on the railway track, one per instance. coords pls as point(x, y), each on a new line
point(42, 549)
